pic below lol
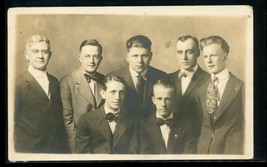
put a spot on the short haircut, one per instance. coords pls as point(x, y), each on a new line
point(36, 39)
point(110, 78)
point(139, 41)
point(186, 37)
point(167, 83)
point(92, 42)
point(214, 40)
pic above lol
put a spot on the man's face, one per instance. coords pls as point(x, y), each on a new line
point(138, 58)
point(38, 55)
point(187, 53)
point(163, 99)
point(114, 95)
point(90, 58)
point(215, 58)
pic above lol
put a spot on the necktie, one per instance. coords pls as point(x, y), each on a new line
point(168, 122)
point(112, 117)
point(90, 77)
point(212, 96)
point(140, 84)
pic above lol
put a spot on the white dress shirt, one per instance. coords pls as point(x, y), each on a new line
point(92, 84)
point(134, 76)
point(41, 78)
point(223, 77)
point(186, 80)
point(112, 124)
point(165, 129)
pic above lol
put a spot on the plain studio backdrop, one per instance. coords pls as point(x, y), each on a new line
point(66, 32)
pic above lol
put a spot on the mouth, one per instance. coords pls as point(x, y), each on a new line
point(211, 66)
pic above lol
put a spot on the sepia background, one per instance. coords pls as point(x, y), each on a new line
point(66, 32)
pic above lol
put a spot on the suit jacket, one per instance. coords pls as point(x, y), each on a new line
point(131, 100)
point(94, 134)
point(77, 98)
point(186, 104)
point(39, 126)
point(225, 135)
point(181, 139)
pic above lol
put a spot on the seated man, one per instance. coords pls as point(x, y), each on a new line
point(163, 132)
point(109, 129)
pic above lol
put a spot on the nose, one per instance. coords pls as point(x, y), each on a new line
point(163, 103)
point(40, 55)
point(209, 60)
point(91, 59)
point(140, 59)
point(117, 96)
point(184, 56)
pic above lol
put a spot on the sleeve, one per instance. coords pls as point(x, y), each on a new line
point(83, 137)
point(144, 146)
point(190, 144)
point(66, 98)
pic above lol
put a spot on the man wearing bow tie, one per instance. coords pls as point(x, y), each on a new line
point(80, 89)
point(164, 132)
point(188, 79)
point(109, 129)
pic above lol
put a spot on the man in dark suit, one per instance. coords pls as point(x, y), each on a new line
point(188, 79)
point(139, 76)
point(80, 89)
point(109, 129)
point(220, 103)
point(164, 132)
point(39, 126)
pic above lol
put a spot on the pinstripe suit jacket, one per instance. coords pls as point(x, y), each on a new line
point(94, 134)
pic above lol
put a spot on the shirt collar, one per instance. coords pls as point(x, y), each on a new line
point(169, 117)
point(224, 74)
point(194, 69)
point(108, 110)
point(37, 73)
point(135, 74)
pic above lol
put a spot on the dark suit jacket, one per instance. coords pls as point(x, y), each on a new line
point(181, 140)
point(186, 104)
point(225, 135)
point(94, 134)
point(131, 100)
point(77, 98)
point(39, 126)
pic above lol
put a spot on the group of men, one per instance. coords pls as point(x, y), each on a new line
point(137, 109)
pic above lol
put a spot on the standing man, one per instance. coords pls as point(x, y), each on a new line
point(220, 102)
point(188, 79)
point(80, 89)
point(139, 76)
point(39, 126)
point(109, 129)
point(164, 132)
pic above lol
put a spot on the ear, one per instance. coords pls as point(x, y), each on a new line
point(80, 57)
point(50, 54)
point(153, 99)
point(26, 55)
point(103, 93)
point(226, 57)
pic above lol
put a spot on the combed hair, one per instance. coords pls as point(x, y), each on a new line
point(167, 83)
point(92, 42)
point(36, 39)
point(139, 41)
point(110, 78)
point(214, 40)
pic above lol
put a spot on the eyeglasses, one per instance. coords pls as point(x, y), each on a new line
point(43, 52)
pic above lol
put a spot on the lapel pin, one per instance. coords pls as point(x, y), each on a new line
point(235, 88)
point(175, 135)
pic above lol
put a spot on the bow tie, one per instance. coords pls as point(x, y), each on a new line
point(112, 117)
point(186, 73)
point(168, 122)
point(89, 77)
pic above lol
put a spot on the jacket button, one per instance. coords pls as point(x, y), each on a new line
point(212, 136)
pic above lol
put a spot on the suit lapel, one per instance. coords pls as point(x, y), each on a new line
point(84, 88)
point(203, 95)
point(98, 97)
point(34, 86)
point(120, 128)
point(155, 134)
point(231, 89)
point(53, 88)
point(129, 80)
point(197, 77)
point(173, 138)
point(103, 125)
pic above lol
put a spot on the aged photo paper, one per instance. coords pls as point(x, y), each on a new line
point(66, 27)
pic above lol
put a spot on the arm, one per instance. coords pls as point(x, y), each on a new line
point(83, 139)
point(70, 126)
point(190, 142)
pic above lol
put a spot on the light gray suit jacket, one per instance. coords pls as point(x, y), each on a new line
point(77, 98)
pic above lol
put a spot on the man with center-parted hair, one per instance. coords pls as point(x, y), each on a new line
point(139, 75)
point(109, 129)
point(164, 132)
point(80, 89)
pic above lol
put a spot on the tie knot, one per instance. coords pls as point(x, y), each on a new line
point(168, 122)
point(90, 77)
point(112, 117)
point(186, 73)
point(214, 79)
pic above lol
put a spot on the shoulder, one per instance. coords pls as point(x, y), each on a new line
point(70, 77)
point(156, 72)
point(52, 78)
point(119, 72)
point(236, 79)
point(173, 74)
